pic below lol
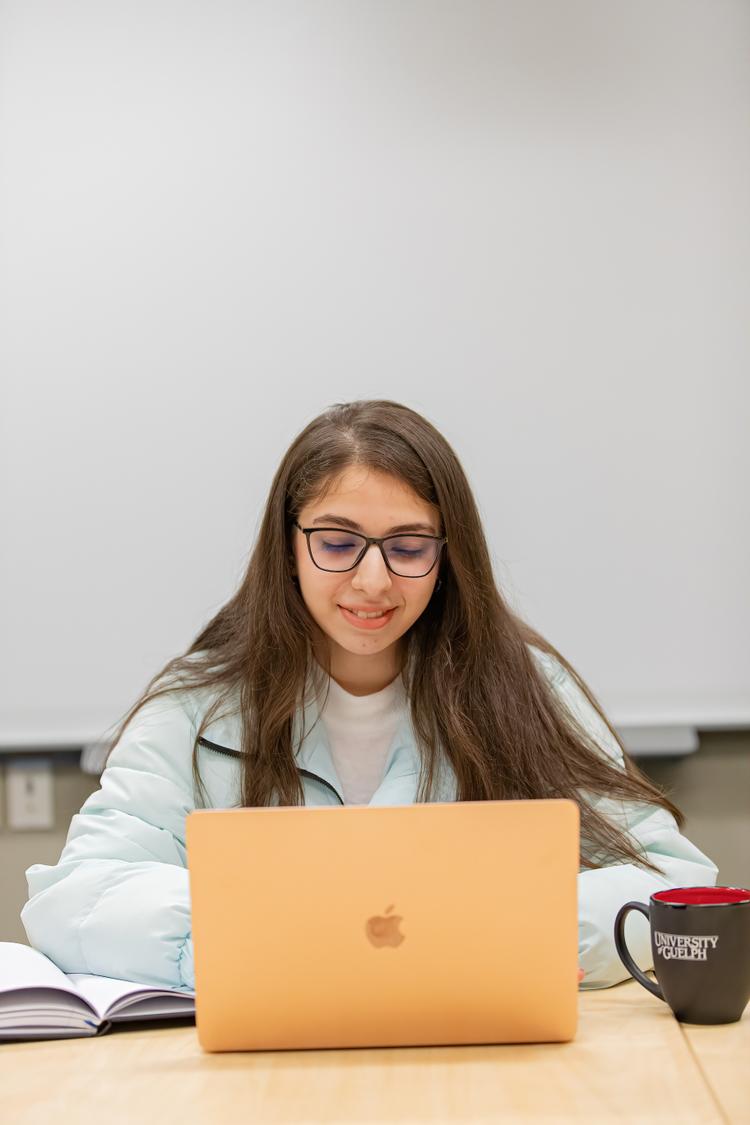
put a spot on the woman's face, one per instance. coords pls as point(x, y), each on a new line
point(365, 658)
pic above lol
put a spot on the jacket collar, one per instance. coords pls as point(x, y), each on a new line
point(401, 774)
point(400, 782)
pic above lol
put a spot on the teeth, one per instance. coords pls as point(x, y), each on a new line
point(367, 616)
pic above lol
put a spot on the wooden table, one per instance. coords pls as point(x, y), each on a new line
point(630, 1061)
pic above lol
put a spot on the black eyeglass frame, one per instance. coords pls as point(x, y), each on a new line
point(369, 540)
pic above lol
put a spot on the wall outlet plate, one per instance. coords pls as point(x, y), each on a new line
point(29, 793)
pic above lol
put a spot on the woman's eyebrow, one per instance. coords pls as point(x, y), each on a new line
point(330, 517)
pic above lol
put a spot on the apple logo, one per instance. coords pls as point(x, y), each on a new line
point(383, 929)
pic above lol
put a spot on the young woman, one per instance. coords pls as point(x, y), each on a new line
point(367, 657)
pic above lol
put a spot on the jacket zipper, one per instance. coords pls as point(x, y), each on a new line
point(236, 754)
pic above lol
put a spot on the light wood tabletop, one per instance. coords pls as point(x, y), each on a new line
point(631, 1061)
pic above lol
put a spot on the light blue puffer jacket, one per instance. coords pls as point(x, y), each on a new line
point(117, 903)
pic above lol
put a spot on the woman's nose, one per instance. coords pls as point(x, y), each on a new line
point(371, 572)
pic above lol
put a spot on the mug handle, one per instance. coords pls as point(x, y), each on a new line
point(624, 952)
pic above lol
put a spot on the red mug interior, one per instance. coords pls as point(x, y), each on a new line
point(703, 896)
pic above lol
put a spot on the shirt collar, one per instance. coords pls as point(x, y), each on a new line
point(401, 772)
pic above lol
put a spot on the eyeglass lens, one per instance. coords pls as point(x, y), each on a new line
point(408, 555)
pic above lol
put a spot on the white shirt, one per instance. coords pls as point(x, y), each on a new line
point(360, 731)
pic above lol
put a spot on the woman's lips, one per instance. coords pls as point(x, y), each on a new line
point(365, 622)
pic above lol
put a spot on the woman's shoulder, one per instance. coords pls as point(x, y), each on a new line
point(171, 715)
point(549, 664)
point(153, 759)
point(576, 703)
point(187, 694)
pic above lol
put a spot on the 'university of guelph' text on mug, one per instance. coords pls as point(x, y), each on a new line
point(700, 941)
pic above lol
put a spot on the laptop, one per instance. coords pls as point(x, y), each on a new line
point(369, 926)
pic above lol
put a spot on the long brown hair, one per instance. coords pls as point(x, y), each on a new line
point(475, 691)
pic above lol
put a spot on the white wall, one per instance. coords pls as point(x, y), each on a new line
point(528, 220)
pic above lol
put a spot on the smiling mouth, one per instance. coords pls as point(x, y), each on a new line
point(371, 614)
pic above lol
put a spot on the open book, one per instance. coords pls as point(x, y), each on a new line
point(40, 1001)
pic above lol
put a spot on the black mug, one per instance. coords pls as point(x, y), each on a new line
point(700, 941)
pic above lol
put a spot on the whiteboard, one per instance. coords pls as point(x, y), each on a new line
point(527, 220)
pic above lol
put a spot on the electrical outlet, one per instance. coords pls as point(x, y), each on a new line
point(29, 793)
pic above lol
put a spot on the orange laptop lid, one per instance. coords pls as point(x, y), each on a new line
point(367, 926)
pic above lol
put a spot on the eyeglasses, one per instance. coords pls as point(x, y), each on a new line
point(407, 556)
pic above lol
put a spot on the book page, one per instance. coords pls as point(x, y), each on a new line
point(37, 999)
point(109, 996)
point(22, 967)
